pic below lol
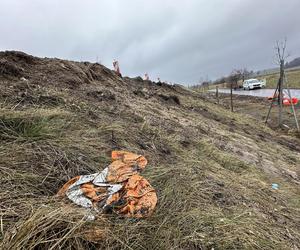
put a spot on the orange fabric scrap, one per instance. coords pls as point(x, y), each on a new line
point(119, 187)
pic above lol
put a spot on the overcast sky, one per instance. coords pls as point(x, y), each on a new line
point(178, 41)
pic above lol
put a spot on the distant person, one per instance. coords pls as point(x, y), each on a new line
point(146, 77)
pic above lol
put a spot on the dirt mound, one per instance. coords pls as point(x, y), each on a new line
point(19, 57)
point(56, 72)
point(213, 170)
point(9, 69)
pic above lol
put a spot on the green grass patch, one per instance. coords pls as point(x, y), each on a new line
point(17, 128)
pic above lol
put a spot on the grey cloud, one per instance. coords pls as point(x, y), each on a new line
point(179, 41)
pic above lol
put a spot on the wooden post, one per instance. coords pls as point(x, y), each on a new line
point(231, 99)
point(280, 90)
point(217, 94)
point(293, 108)
point(271, 105)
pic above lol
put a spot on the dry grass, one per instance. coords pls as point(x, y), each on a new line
point(198, 207)
point(212, 177)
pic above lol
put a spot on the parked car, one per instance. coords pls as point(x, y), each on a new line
point(252, 84)
point(263, 82)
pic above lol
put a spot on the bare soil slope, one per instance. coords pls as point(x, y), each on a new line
point(212, 170)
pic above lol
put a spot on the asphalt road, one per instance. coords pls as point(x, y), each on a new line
point(258, 92)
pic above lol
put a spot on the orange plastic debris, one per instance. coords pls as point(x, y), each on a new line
point(124, 165)
point(118, 187)
point(288, 101)
point(140, 197)
point(65, 187)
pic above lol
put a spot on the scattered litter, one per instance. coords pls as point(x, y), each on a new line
point(286, 126)
point(118, 188)
point(89, 216)
point(287, 101)
point(117, 67)
point(275, 186)
point(23, 79)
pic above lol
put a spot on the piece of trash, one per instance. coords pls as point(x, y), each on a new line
point(89, 217)
point(286, 126)
point(118, 188)
point(23, 79)
point(117, 67)
point(275, 186)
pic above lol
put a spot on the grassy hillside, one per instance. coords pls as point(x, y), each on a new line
point(212, 170)
point(293, 77)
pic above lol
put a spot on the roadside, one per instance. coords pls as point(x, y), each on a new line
point(293, 77)
point(271, 79)
point(257, 107)
point(264, 92)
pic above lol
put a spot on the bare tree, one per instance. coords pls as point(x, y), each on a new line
point(278, 94)
point(237, 75)
point(245, 74)
point(280, 48)
point(233, 81)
